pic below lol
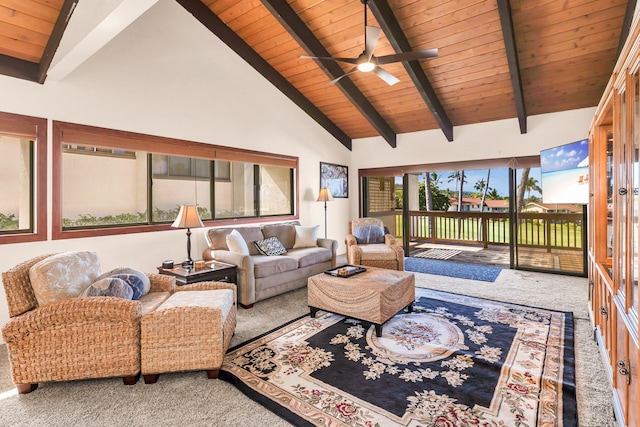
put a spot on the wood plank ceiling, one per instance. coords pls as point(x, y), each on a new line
point(497, 59)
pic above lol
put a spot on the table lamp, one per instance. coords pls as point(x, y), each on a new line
point(188, 218)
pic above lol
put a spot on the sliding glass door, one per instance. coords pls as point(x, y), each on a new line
point(548, 237)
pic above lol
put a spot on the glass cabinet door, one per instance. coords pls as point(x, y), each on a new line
point(635, 170)
point(620, 198)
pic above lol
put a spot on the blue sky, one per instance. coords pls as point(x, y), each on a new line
point(499, 180)
point(569, 156)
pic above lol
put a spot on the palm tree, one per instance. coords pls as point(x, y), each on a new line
point(427, 191)
point(532, 185)
point(493, 194)
point(521, 188)
point(458, 176)
point(479, 186)
point(437, 179)
point(482, 186)
point(460, 179)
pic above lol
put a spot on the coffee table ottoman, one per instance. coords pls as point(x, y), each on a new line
point(375, 295)
point(189, 331)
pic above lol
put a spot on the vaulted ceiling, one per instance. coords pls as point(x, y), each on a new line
point(497, 59)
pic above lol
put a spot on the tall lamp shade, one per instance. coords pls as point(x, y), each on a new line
point(188, 218)
point(325, 196)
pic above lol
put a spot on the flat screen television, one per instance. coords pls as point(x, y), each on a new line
point(564, 172)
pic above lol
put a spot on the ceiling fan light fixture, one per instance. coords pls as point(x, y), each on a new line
point(365, 67)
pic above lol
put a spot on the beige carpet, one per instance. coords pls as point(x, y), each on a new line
point(191, 399)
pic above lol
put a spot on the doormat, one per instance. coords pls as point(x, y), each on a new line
point(452, 269)
point(438, 253)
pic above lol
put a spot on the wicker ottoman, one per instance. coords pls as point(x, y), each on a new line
point(190, 331)
point(374, 296)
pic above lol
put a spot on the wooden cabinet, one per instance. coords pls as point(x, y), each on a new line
point(614, 229)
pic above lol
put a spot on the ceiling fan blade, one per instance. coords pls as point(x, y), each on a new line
point(371, 39)
point(407, 56)
point(334, 81)
point(348, 60)
point(386, 76)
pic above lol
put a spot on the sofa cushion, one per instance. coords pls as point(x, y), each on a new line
point(251, 235)
point(368, 234)
point(129, 270)
point(109, 287)
point(63, 276)
point(270, 246)
point(310, 256)
point(306, 236)
point(269, 265)
point(286, 233)
point(236, 243)
point(377, 252)
point(152, 300)
point(217, 238)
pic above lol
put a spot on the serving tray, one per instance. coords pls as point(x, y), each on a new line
point(345, 271)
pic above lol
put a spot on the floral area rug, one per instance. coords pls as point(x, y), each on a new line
point(454, 361)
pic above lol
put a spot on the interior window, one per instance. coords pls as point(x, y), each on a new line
point(23, 162)
point(107, 181)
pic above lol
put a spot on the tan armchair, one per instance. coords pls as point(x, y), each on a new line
point(76, 338)
point(385, 254)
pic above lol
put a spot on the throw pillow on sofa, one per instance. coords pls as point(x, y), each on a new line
point(270, 246)
point(109, 287)
point(236, 242)
point(306, 236)
point(63, 276)
point(129, 270)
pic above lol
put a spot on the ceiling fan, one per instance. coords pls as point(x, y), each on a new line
point(367, 61)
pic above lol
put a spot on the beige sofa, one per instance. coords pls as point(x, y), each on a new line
point(261, 276)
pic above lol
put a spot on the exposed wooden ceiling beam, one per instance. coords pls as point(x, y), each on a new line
point(287, 17)
point(18, 68)
point(56, 35)
point(389, 24)
point(37, 72)
point(626, 25)
point(506, 20)
point(214, 24)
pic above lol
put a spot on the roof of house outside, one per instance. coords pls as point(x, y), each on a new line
point(476, 201)
point(555, 207)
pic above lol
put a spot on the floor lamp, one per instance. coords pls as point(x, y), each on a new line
point(325, 196)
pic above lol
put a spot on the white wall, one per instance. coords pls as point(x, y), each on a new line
point(166, 75)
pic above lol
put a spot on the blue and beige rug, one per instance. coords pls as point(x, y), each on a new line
point(452, 269)
point(455, 361)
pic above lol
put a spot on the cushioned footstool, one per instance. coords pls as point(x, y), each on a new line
point(190, 331)
point(375, 295)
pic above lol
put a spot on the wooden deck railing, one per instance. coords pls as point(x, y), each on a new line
point(543, 230)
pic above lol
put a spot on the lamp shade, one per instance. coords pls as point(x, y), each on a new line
point(325, 195)
point(188, 218)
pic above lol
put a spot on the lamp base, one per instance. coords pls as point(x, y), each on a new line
point(187, 263)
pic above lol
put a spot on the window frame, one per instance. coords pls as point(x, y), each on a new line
point(71, 133)
point(38, 204)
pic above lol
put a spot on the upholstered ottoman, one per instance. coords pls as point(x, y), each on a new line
point(190, 331)
point(374, 296)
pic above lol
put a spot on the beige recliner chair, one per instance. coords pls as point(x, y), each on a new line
point(368, 245)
